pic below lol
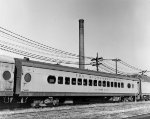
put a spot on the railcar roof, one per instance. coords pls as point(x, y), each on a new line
point(38, 64)
point(6, 59)
point(145, 78)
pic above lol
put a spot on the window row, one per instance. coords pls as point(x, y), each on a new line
point(79, 81)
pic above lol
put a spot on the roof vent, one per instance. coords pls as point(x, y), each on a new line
point(26, 58)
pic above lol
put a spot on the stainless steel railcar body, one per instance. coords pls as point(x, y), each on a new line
point(44, 80)
point(7, 68)
point(145, 87)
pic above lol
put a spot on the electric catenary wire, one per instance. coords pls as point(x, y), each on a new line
point(112, 69)
point(30, 44)
point(25, 48)
point(27, 54)
point(104, 68)
point(124, 63)
point(47, 49)
point(37, 44)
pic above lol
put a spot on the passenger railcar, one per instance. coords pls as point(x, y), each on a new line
point(26, 81)
point(7, 68)
point(37, 80)
point(145, 87)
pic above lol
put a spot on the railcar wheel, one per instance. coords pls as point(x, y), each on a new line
point(55, 102)
point(35, 104)
point(125, 99)
point(48, 101)
point(51, 102)
point(131, 99)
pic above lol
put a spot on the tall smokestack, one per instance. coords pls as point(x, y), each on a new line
point(81, 44)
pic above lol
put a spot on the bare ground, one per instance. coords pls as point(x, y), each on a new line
point(92, 111)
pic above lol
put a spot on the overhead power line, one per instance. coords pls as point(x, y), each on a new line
point(31, 55)
point(37, 44)
point(25, 48)
point(30, 43)
point(130, 66)
point(106, 69)
point(50, 51)
point(112, 69)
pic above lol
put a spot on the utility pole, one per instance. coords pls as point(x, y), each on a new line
point(142, 72)
point(97, 63)
point(116, 60)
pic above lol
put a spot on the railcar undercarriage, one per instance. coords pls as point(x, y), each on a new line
point(56, 101)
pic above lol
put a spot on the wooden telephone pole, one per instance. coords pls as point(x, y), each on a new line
point(116, 60)
point(96, 62)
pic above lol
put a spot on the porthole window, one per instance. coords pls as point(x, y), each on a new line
point(90, 82)
point(60, 80)
point(79, 81)
point(67, 80)
point(85, 82)
point(51, 79)
point(73, 81)
point(27, 77)
point(6, 75)
point(129, 85)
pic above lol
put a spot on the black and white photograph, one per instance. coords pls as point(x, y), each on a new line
point(74, 59)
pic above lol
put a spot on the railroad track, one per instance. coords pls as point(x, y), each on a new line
point(15, 106)
point(18, 106)
point(101, 107)
point(78, 111)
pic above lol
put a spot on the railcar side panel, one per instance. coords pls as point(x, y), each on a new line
point(39, 85)
point(145, 88)
point(6, 78)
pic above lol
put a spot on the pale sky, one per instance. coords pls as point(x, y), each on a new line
point(113, 28)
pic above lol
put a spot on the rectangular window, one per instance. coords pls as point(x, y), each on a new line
point(73, 81)
point(67, 80)
point(79, 81)
point(104, 83)
point(95, 82)
point(90, 82)
point(132, 85)
point(115, 84)
point(99, 83)
point(112, 84)
point(122, 85)
point(60, 80)
point(85, 82)
point(108, 84)
point(118, 85)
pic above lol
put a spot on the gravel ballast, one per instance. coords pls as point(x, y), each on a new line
point(92, 111)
